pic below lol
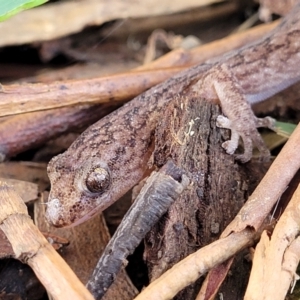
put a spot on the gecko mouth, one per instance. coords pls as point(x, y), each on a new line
point(55, 215)
point(83, 219)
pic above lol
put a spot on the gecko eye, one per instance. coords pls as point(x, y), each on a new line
point(98, 180)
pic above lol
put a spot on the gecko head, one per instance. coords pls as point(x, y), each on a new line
point(78, 190)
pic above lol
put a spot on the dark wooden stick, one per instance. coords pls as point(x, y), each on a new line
point(26, 131)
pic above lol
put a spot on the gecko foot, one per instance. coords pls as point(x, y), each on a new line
point(249, 137)
point(231, 145)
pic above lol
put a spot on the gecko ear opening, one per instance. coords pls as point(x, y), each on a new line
point(98, 180)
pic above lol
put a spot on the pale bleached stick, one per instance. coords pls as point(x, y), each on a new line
point(31, 247)
point(195, 265)
point(273, 264)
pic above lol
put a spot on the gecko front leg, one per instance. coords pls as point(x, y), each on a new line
point(221, 86)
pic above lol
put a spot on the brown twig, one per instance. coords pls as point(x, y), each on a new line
point(40, 96)
point(32, 97)
point(202, 53)
point(25, 131)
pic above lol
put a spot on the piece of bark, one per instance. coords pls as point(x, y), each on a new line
point(86, 244)
point(26, 171)
point(28, 191)
point(26, 131)
point(189, 136)
point(189, 269)
point(160, 190)
point(30, 246)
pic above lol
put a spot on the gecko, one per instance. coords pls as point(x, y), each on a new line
point(111, 156)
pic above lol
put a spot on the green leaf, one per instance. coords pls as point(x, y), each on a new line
point(284, 129)
point(9, 8)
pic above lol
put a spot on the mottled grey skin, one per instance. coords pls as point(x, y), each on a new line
point(119, 145)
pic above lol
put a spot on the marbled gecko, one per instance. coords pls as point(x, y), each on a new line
point(111, 156)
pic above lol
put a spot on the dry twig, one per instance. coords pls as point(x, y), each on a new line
point(274, 183)
point(195, 265)
point(17, 99)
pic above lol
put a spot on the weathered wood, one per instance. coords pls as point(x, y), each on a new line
point(188, 135)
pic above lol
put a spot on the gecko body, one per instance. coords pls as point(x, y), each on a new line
point(111, 156)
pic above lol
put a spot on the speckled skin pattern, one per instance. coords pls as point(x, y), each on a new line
point(111, 156)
